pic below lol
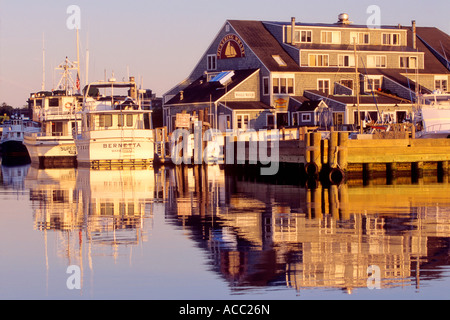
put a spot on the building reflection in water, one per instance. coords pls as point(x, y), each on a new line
point(273, 235)
point(256, 234)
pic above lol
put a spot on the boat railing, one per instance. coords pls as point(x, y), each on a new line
point(437, 127)
point(45, 134)
point(59, 112)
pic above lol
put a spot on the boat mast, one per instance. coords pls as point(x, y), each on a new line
point(78, 61)
point(43, 62)
point(357, 87)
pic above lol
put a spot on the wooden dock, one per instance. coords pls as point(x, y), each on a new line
point(333, 156)
point(337, 157)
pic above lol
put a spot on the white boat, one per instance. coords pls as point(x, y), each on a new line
point(13, 132)
point(433, 115)
point(57, 111)
point(115, 130)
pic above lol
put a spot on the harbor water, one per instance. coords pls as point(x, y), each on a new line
point(201, 233)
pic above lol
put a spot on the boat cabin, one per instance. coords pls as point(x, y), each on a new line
point(56, 111)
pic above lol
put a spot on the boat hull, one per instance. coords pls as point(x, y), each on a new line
point(47, 152)
point(14, 153)
point(116, 148)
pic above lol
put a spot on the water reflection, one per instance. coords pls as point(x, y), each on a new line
point(255, 234)
point(272, 235)
point(14, 177)
point(91, 213)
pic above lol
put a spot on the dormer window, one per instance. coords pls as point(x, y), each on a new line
point(360, 37)
point(331, 37)
point(408, 62)
point(303, 36)
point(391, 39)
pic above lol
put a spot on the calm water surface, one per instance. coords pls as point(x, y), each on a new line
point(172, 234)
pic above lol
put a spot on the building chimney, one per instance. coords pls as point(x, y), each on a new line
point(414, 33)
point(292, 30)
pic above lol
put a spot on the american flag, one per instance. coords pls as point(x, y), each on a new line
point(78, 81)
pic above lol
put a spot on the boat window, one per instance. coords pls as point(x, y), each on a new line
point(105, 120)
point(54, 102)
point(120, 122)
point(57, 129)
point(129, 120)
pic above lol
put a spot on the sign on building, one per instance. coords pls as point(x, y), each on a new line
point(183, 120)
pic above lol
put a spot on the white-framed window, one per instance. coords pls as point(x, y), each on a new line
point(332, 37)
point(390, 39)
point(347, 83)
point(338, 118)
point(346, 60)
point(242, 121)
point(283, 84)
point(376, 61)
point(441, 83)
point(323, 85)
point(211, 62)
point(306, 117)
point(303, 36)
point(266, 86)
point(361, 37)
point(373, 83)
point(408, 62)
point(318, 60)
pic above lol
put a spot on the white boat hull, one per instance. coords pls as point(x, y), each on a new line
point(116, 147)
point(51, 151)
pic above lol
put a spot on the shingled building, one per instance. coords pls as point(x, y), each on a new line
point(261, 74)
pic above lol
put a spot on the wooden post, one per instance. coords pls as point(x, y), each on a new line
point(324, 152)
point(343, 152)
point(316, 138)
point(332, 149)
point(308, 146)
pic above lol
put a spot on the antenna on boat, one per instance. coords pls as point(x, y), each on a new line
point(43, 61)
point(78, 61)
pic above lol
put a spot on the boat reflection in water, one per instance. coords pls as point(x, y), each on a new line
point(93, 213)
point(256, 235)
point(14, 177)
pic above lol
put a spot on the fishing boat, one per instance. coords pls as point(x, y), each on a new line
point(433, 115)
point(115, 129)
point(57, 112)
point(13, 132)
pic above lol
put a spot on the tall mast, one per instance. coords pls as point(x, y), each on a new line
point(357, 88)
point(78, 56)
point(43, 62)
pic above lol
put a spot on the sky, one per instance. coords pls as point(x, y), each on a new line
point(159, 42)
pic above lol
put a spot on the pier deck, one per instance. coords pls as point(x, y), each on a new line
point(324, 153)
point(365, 156)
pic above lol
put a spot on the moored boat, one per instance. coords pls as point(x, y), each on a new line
point(115, 129)
point(12, 138)
point(433, 115)
point(57, 111)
